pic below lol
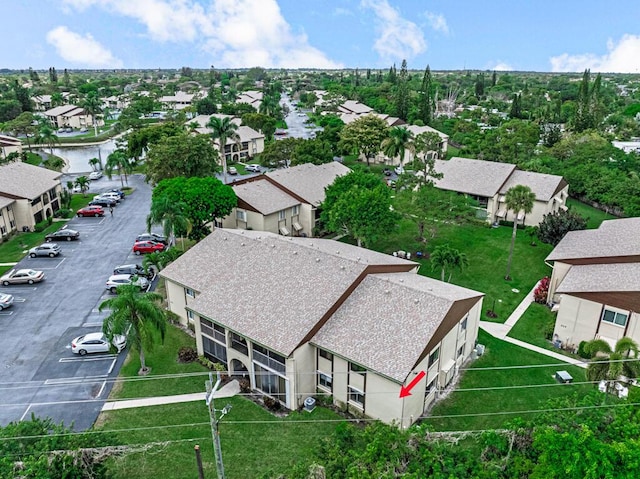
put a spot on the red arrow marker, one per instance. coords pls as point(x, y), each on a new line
point(406, 390)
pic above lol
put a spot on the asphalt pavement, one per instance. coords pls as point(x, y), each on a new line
point(38, 372)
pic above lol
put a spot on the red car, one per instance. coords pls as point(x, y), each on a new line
point(143, 247)
point(91, 211)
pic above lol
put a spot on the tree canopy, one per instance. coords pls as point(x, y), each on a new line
point(364, 135)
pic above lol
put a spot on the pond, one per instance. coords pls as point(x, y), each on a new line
point(78, 157)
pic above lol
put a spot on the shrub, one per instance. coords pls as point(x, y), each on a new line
point(271, 404)
point(187, 355)
point(63, 213)
point(40, 227)
point(542, 291)
point(245, 385)
point(548, 330)
point(581, 352)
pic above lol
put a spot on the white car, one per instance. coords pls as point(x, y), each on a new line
point(232, 170)
point(96, 343)
point(399, 170)
point(6, 300)
point(254, 168)
point(109, 195)
point(119, 279)
point(95, 175)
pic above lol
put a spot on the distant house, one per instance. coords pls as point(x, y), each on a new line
point(28, 195)
point(250, 97)
point(43, 102)
point(353, 107)
point(283, 201)
point(301, 317)
point(115, 102)
point(409, 155)
point(8, 145)
point(71, 116)
point(251, 141)
point(595, 284)
point(180, 100)
point(488, 182)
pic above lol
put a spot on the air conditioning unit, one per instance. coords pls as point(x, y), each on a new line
point(480, 349)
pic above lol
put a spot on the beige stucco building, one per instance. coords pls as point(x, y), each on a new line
point(488, 183)
point(283, 201)
point(250, 143)
point(595, 284)
point(28, 195)
point(71, 116)
point(304, 317)
point(8, 145)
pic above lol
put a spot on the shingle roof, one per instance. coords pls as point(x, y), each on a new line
point(417, 130)
point(268, 287)
point(26, 181)
point(264, 196)
point(309, 181)
point(475, 177)
point(613, 238)
point(388, 320)
point(60, 110)
point(4, 201)
point(591, 278)
point(244, 132)
point(352, 106)
point(543, 186)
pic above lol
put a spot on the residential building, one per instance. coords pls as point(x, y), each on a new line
point(28, 195)
point(8, 223)
point(251, 97)
point(410, 155)
point(488, 182)
point(8, 145)
point(283, 201)
point(71, 116)
point(180, 100)
point(43, 102)
point(303, 317)
point(251, 142)
point(595, 284)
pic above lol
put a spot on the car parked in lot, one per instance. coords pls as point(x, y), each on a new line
point(91, 210)
point(97, 343)
point(95, 175)
point(253, 168)
point(399, 170)
point(232, 170)
point(109, 195)
point(118, 192)
point(105, 202)
point(119, 279)
point(46, 249)
point(63, 234)
point(144, 247)
point(6, 300)
point(21, 276)
point(152, 237)
point(133, 269)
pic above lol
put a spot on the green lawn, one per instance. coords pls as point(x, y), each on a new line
point(253, 441)
point(594, 216)
point(495, 401)
point(162, 360)
point(487, 250)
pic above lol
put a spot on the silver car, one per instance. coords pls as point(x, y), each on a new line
point(6, 300)
point(46, 249)
point(119, 279)
point(96, 343)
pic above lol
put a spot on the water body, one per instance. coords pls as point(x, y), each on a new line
point(77, 157)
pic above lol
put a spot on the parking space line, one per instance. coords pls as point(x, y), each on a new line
point(6, 313)
point(55, 267)
point(104, 383)
point(91, 325)
point(85, 379)
point(19, 300)
point(25, 413)
point(106, 357)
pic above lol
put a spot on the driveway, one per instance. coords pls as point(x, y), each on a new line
point(296, 126)
point(38, 372)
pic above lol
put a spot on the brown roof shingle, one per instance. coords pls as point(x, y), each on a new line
point(23, 180)
point(309, 181)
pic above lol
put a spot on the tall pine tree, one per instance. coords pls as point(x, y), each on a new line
point(426, 105)
point(402, 92)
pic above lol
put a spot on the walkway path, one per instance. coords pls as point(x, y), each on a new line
point(230, 389)
point(501, 331)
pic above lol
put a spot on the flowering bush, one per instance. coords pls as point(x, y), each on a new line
point(541, 292)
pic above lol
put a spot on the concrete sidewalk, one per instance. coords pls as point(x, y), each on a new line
point(230, 389)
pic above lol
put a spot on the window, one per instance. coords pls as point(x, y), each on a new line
point(269, 358)
point(190, 316)
point(213, 330)
point(461, 350)
point(325, 381)
point(281, 215)
point(431, 386)
point(433, 357)
point(52, 194)
point(12, 223)
point(325, 354)
point(354, 368)
point(3, 230)
point(356, 397)
point(214, 350)
point(219, 333)
point(463, 324)
point(239, 344)
point(615, 317)
point(241, 215)
point(295, 211)
point(206, 327)
point(270, 383)
point(189, 292)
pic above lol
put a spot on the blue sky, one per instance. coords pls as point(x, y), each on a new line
point(531, 35)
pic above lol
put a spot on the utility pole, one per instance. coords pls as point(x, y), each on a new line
point(211, 390)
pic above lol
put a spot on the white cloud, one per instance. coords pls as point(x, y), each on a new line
point(238, 33)
point(82, 50)
point(623, 57)
point(437, 22)
point(500, 66)
point(342, 11)
point(397, 36)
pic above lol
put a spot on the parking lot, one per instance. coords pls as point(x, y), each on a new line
point(38, 372)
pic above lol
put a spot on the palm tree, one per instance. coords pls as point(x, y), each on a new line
point(444, 257)
point(47, 136)
point(170, 215)
point(399, 140)
point(82, 182)
point(518, 198)
point(56, 99)
point(223, 129)
point(609, 363)
point(93, 105)
point(94, 162)
point(118, 161)
point(159, 259)
point(136, 315)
